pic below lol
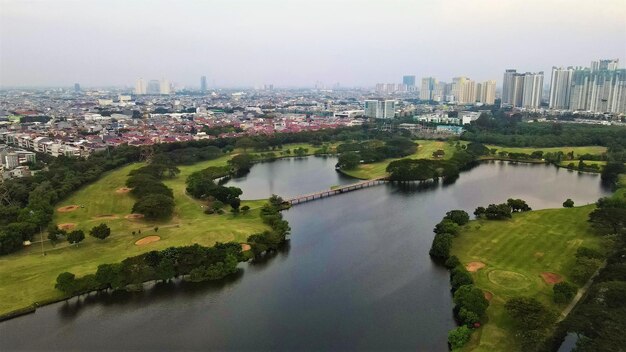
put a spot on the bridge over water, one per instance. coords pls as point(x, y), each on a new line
point(336, 191)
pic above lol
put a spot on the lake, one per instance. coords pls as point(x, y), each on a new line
point(355, 275)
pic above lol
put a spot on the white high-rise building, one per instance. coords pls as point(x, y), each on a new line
point(517, 90)
point(164, 87)
point(463, 90)
point(380, 109)
point(508, 87)
point(486, 92)
point(140, 87)
point(560, 85)
point(533, 90)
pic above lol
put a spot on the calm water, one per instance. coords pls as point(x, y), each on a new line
point(356, 275)
point(290, 177)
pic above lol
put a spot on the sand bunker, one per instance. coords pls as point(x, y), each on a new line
point(488, 295)
point(148, 239)
point(67, 226)
point(245, 247)
point(105, 217)
point(122, 190)
point(67, 208)
point(133, 216)
point(551, 278)
point(474, 266)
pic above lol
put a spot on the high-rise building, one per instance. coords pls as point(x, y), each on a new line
point(463, 90)
point(380, 109)
point(409, 82)
point(203, 85)
point(486, 92)
point(427, 91)
point(516, 94)
point(610, 64)
point(154, 87)
point(76, 87)
point(507, 87)
point(560, 84)
point(140, 87)
point(164, 87)
point(533, 90)
point(441, 91)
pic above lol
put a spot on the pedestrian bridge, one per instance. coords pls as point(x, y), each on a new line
point(336, 191)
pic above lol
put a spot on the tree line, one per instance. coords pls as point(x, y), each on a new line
point(29, 204)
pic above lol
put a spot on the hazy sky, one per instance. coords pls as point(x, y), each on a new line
point(299, 42)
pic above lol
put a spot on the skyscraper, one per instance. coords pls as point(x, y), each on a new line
point(428, 88)
point(409, 82)
point(486, 92)
point(463, 90)
point(203, 84)
point(140, 87)
point(516, 92)
point(610, 64)
point(560, 84)
point(507, 87)
point(76, 87)
point(533, 90)
point(164, 87)
point(600, 88)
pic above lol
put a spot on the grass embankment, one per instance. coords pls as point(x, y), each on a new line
point(27, 277)
point(424, 151)
point(427, 147)
point(516, 252)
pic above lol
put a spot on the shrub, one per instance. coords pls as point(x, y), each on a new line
point(472, 299)
point(458, 337)
point(447, 226)
point(440, 248)
point(568, 203)
point(460, 277)
point(563, 292)
point(452, 262)
point(460, 217)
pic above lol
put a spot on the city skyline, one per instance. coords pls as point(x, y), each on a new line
point(244, 44)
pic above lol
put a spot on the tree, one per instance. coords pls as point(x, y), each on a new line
point(528, 313)
point(568, 203)
point(348, 160)
point(440, 247)
point(563, 292)
point(459, 336)
point(498, 211)
point(75, 236)
point(245, 143)
point(240, 164)
point(460, 277)
point(66, 282)
point(101, 231)
point(608, 221)
point(480, 212)
point(472, 299)
point(447, 226)
point(517, 205)
point(460, 217)
point(10, 242)
point(154, 206)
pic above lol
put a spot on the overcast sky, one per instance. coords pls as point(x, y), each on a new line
point(299, 42)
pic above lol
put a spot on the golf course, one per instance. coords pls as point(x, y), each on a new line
point(28, 277)
point(523, 256)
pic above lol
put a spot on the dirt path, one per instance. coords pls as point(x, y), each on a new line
point(580, 294)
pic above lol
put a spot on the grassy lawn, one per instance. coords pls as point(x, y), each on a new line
point(516, 252)
point(596, 150)
point(424, 151)
point(29, 277)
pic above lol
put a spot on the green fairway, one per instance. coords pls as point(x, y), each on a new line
point(594, 150)
point(516, 252)
point(29, 277)
point(424, 151)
